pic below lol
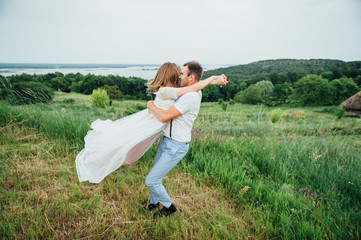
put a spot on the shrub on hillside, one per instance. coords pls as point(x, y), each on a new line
point(27, 93)
point(100, 98)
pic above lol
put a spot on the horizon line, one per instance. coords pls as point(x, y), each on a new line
point(153, 64)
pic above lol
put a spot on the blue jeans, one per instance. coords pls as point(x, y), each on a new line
point(169, 153)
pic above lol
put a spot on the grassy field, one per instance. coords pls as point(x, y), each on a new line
point(243, 177)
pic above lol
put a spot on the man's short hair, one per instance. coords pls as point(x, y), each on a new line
point(194, 68)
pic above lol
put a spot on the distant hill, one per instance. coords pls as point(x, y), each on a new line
point(302, 67)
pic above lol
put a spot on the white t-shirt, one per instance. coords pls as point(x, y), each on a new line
point(188, 105)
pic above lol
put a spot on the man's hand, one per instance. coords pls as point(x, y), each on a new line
point(161, 114)
point(219, 80)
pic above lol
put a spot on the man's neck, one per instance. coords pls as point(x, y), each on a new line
point(192, 82)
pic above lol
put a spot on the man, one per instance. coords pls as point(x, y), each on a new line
point(177, 136)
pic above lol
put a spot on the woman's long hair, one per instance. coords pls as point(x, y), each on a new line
point(167, 76)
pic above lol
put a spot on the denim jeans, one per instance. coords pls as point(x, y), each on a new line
point(169, 153)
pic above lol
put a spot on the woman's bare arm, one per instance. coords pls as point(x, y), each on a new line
point(214, 80)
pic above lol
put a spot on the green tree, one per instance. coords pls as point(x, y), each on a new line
point(281, 92)
point(252, 95)
point(266, 87)
point(273, 78)
point(113, 92)
point(358, 80)
point(76, 86)
point(312, 90)
point(90, 82)
point(327, 75)
point(293, 77)
point(60, 83)
point(231, 89)
point(266, 92)
point(211, 94)
point(342, 89)
point(242, 86)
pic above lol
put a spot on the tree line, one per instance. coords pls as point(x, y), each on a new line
point(118, 88)
point(274, 82)
point(310, 83)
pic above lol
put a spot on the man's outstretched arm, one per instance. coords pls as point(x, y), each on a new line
point(163, 115)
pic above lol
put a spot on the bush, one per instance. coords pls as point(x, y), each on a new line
point(276, 115)
point(224, 106)
point(220, 101)
point(28, 93)
point(69, 100)
point(231, 102)
point(339, 112)
point(100, 98)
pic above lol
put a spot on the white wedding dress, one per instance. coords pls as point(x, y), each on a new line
point(112, 144)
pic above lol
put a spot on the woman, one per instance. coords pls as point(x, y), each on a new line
point(122, 142)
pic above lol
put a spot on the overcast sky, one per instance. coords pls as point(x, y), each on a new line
point(156, 31)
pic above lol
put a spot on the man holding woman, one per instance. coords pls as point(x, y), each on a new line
point(177, 135)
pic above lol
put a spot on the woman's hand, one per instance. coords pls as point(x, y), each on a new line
point(150, 104)
point(219, 80)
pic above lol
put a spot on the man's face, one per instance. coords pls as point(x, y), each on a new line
point(184, 77)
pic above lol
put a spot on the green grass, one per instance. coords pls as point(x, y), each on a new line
point(41, 197)
point(244, 176)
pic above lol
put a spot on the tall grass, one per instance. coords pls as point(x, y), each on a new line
point(40, 197)
point(68, 123)
point(64, 125)
point(300, 176)
point(297, 178)
point(297, 188)
point(24, 92)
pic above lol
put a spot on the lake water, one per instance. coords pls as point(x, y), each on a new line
point(145, 71)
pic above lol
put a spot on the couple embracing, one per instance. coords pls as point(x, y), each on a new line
point(112, 144)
